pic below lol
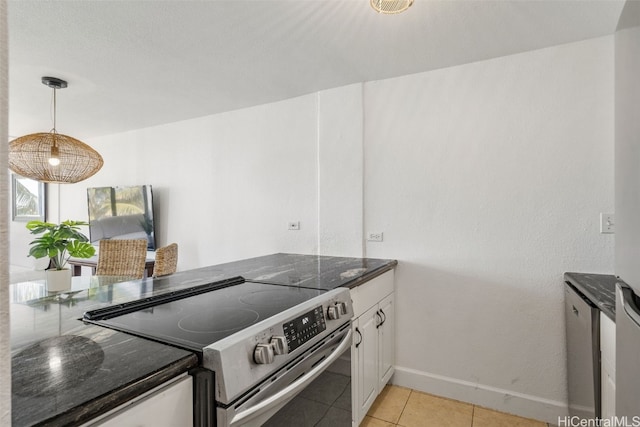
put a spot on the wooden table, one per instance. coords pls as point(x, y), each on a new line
point(78, 263)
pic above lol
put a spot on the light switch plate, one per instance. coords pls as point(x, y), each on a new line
point(607, 223)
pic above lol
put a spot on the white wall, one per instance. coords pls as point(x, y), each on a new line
point(627, 148)
point(225, 186)
point(487, 180)
point(340, 163)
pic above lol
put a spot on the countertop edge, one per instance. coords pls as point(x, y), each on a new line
point(371, 275)
point(105, 403)
point(574, 278)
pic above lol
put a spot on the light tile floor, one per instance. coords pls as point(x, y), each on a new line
point(399, 406)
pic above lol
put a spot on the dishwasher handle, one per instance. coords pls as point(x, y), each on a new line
point(629, 305)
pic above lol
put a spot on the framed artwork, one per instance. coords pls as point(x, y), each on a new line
point(28, 199)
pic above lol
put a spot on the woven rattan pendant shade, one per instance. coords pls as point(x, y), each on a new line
point(391, 6)
point(29, 157)
point(51, 156)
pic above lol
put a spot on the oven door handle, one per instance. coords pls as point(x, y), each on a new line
point(293, 388)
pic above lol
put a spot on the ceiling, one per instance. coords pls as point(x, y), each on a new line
point(133, 64)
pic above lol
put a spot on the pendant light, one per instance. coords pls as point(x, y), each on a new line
point(51, 156)
point(391, 6)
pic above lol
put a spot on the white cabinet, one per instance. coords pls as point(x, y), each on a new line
point(607, 366)
point(386, 339)
point(366, 359)
point(373, 349)
point(168, 405)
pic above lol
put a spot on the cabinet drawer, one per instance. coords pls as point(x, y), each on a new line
point(370, 293)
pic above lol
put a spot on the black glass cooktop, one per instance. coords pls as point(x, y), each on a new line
point(199, 320)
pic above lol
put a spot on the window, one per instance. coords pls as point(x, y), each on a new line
point(27, 199)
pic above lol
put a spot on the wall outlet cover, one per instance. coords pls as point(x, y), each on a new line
point(293, 225)
point(375, 236)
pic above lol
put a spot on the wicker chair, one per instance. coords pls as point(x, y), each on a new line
point(166, 260)
point(122, 258)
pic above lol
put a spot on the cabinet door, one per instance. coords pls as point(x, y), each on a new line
point(608, 395)
point(386, 340)
point(367, 360)
point(608, 366)
point(169, 406)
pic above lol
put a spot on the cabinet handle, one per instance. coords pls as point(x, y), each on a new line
point(379, 317)
point(360, 335)
point(384, 319)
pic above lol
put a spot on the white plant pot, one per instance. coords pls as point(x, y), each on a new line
point(58, 280)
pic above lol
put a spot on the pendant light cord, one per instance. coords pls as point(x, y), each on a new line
point(54, 159)
point(54, 109)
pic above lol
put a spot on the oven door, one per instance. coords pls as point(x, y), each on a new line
point(315, 387)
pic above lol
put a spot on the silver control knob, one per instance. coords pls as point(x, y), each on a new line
point(342, 308)
point(333, 313)
point(263, 354)
point(279, 344)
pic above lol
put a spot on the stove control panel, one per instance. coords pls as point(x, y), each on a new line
point(297, 331)
point(303, 328)
point(269, 348)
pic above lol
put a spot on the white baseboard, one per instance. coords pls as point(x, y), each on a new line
point(511, 402)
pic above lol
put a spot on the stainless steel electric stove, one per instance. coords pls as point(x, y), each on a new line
point(259, 344)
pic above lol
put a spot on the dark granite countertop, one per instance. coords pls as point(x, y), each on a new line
point(598, 288)
point(67, 372)
point(305, 271)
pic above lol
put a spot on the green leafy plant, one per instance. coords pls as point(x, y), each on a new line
point(59, 242)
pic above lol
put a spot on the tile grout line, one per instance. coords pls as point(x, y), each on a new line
point(473, 414)
point(473, 411)
point(406, 402)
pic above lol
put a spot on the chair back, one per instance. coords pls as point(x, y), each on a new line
point(122, 258)
point(166, 260)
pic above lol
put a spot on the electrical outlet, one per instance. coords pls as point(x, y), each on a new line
point(374, 236)
point(607, 223)
point(294, 225)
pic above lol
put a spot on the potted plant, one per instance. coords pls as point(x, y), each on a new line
point(59, 242)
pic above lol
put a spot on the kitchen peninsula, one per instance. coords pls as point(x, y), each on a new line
point(65, 371)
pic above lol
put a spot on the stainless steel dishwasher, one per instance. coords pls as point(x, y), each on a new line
point(582, 320)
point(627, 352)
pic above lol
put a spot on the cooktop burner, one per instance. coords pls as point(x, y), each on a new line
point(222, 320)
point(199, 320)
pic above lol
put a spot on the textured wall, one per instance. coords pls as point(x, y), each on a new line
point(5, 359)
point(628, 151)
point(340, 171)
point(224, 185)
point(488, 180)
